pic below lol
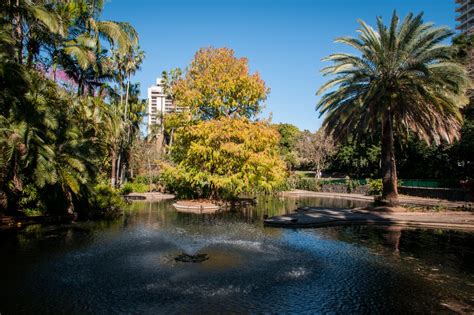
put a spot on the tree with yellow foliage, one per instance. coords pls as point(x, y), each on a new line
point(218, 84)
point(218, 151)
point(222, 158)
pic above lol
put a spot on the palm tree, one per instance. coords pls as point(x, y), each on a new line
point(22, 148)
point(71, 164)
point(403, 80)
point(28, 21)
point(134, 58)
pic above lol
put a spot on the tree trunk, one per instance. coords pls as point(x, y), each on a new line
point(150, 180)
point(70, 204)
point(32, 49)
point(118, 167)
point(80, 86)
point(171, 140)
point(114, 168)
point(18, 33)
point(55, 66)
point(318, 171)
point(13, 191)
point(389, 168)
point(125, 112)
point(122, 174)
point(121, 87)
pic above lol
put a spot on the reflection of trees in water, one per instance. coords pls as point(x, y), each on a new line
point(162, 213)
point(392, 237)
point(381, 238)
point(55, 238)
point(432, 245)
point(452, 249)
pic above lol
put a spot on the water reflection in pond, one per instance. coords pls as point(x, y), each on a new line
point(127, 265)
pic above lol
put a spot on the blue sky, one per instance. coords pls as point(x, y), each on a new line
point(283, 40)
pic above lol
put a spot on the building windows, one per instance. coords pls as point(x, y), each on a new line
point(159, 104)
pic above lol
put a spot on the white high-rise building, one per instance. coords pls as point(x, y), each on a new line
point(465, 18)
point(159, 104)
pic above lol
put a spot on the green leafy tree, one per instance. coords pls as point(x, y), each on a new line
point(29, 21)
point(289, 135)
point(357, 159)
point(403, 79)
point(225, 157)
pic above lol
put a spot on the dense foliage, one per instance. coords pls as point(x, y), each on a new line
point(357, 159)
point(68, 110)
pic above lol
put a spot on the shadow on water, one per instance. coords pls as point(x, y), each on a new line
point(128, 265)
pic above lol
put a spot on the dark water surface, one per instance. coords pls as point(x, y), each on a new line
point(127, 266)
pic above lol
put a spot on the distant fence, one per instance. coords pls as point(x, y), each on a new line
point(430, 183)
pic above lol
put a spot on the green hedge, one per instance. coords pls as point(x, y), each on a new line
point(430, 183)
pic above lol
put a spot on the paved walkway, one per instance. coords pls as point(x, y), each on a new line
point(404, 200)
point(308, 217)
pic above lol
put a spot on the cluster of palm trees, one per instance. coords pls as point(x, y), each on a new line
point(69, 112)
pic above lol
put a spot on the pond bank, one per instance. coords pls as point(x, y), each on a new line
point(404, 200)
point(15, 222)
point(10, 222)
point(309, 217)
point(154, 196)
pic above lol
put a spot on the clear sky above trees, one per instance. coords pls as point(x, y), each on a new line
point(283, 40)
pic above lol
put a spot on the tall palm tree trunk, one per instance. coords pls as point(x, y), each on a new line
point(121, 87)
point(113, 168)
point(18, 33)
point(389, 168)
point(119, 168)
point(125, 112)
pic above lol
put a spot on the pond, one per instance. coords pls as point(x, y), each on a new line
point(127, 265)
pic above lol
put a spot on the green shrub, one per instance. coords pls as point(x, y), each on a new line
point(30, 201)
point(33, 212)
point(104, 201)
point(375, 187)
point(300, 181)
point(126, 189)
point(351, 184)
point(177, 183)
point(141, 179)
point(130, 187)
point(310, 184)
